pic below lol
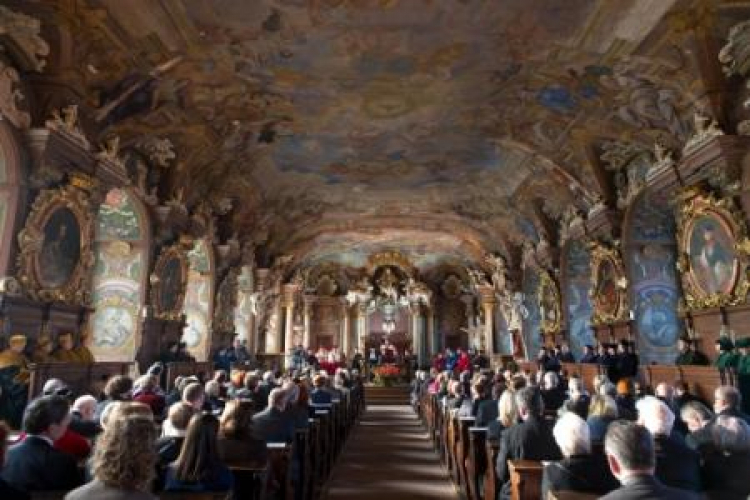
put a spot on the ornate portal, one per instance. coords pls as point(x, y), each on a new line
point(55, 257)
point(548, 295)
point(712, 265)
point(169, 280)
point(609, 285)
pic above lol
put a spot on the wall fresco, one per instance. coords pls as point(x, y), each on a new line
point(117, 296)
point(577, 302)
point(197, 306)
point(651, 257)
point(531, 324)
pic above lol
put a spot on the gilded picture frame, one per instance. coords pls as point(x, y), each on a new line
point(55, 258)
point(713, 251)
point(169, 282)
point(609, 285)
point(550, 308)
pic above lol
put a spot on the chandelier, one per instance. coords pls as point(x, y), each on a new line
point(389, 325)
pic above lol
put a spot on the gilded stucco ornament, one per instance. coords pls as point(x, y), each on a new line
point(55, 257)
point(713, 251)
point(10, 98)
point(663, 161)
point(609, 286)
point(548, 296)
point(65, 121)
point(706, 128)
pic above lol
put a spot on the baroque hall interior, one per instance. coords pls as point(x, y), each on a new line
point(346, 176)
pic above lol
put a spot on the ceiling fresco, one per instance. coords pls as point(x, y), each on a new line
point(314, 115)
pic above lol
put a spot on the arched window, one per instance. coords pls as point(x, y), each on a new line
point(120, 250)
point(577, 302)
point(531, 324)
point(654, 293)
point(199, 300)
point(10, 174)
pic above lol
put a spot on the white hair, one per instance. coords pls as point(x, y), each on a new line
point(655, 415)
point(572, 435)
point(268, 376)
point(551, 380)
point(84, 401)
point(575, 387)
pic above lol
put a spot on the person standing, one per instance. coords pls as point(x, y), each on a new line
point(743, 372)
point(727, 358)
point(688, 354)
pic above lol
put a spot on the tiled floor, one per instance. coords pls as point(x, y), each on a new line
point(389, 457)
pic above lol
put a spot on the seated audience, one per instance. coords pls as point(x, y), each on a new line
point(579, 470)
point(264, 389)
point(530, 440)
point(73, 444)
point(626, 400)
point(319, 395)
point(676, 464)
point(507, 415)
point(175, 394)
point(169, 445)
point(213, 403)
point(632, 460)
point(123, 463)
point(34, 464)
point(146, 391)
point(297, 405)
point(578, 399)
point(8, 492)
point(727, 464)
point(83, 417)
point(272, 425)
point(602, 412)
point(193, 395)
point(697, 418)
point(236, 442)
point(553, 393)
point(118, 388)
point(487, 410)
point(727, 401)
point(199, 468)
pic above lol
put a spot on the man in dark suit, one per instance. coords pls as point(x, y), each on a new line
point(632, 460)
point(529, 440)
point(728, 401)
point(34, 464)
point(272, 425)
point(677, 465)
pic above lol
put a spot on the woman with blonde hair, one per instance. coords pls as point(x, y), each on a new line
point(236, 442)
point(124, 461)
point(507, 415)
point(602, 412)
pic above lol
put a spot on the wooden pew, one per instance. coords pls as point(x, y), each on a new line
point(250, 479)
point(451, 438)
point(703, 380)
point(81, 378)
point(462, 452)
point(656, 374)
point(280, 460)
point(476, 462)
point(491, 486)
point(525, 479)
point(204, 370)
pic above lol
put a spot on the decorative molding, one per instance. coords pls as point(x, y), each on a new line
point(728, 284)
point(32, 242)
point(65, 121)
point(706, 128)
point(609, 285)
point(390, 258)
point(10, 98)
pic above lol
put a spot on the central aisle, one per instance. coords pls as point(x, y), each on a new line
point(389, 457)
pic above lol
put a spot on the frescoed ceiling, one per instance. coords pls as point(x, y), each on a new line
point(405, 119)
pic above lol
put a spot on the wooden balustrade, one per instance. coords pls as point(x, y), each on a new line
point(204, 370)
point(81, 378)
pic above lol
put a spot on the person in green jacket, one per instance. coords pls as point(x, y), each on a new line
point(727, 359)
point(743, 372)
point(688, 354)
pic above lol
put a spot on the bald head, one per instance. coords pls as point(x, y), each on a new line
point(86, 406)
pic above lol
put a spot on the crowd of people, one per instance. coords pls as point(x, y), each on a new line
point(621, 440)
point(136, 439)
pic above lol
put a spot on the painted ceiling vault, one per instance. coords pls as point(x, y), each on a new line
point(337, 128)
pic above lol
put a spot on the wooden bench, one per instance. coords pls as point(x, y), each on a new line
point(202, 369)
point(462, 452)
point(571, 495)
point(491, 486)
point(476, 463)
point(250, 479)
point(525, 479)
point(81, 378)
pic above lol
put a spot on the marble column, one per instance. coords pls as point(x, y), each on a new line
point(290, 291)
point(488, 301)
point(346, 336)
point(418, 332)
point(432, 347)
point(261, 276)
point(471, 320)
point(309, 300)
point(361, 330)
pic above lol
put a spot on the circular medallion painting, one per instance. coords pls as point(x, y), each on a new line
point(657, 315)
point(112, 326)
point(60, 250)
point(714, 265)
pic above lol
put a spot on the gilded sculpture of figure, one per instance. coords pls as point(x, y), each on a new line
point(14, 357)
point(499, 272)
point(82, 351)
point(65, 352)
point(43, 350)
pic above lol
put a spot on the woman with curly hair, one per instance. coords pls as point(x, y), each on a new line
point(124, 461)
point(236, 441)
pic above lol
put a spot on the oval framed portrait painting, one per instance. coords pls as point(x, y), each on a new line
point(711, 261)
point(169, 286)
point(608, 284)
point(60, 251)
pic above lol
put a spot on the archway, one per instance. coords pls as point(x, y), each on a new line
point(651, 252)
point(199, 300)
point(120, 250)
point(577, 269)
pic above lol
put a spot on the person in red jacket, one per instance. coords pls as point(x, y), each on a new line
point(464, 361)
point(73, 444)
point(146, 390)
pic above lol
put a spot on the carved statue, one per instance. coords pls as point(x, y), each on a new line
point(543, 253)
point(499, 271)
point(418, 292)
point(14, 358)
point(528, 258)
point(477, 278)
point(10, 97)
point(111, 149)
point(513, 309)
point(388, 285)
point(705, 129)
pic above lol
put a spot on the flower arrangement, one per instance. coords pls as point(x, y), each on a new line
point(386, 375)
